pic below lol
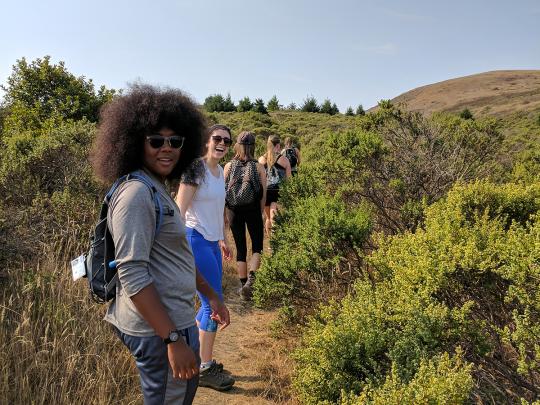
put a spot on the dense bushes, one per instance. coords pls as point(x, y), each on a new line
point(48, 188)
point(440, 380)
point(466, 282)
point(316, 253)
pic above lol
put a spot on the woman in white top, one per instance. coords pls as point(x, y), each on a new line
point(201, 198)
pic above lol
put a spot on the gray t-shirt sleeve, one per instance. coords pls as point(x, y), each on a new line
point(132, 222)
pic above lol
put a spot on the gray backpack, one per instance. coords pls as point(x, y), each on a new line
point(243, 184)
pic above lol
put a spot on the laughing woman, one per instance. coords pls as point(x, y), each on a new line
point(201, 198)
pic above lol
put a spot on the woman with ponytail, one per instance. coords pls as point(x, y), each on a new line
point(277, 168)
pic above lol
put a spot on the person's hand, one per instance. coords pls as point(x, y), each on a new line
point(225, 251)
point(220, 313)
point(182, 360)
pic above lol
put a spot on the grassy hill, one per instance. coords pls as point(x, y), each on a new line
point(496, 93)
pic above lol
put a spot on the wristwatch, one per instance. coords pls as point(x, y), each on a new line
point(174, 335)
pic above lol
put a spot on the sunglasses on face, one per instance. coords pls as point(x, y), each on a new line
point(156, 141)
point(219, 138)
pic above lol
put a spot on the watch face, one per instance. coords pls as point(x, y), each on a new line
point(173, 336)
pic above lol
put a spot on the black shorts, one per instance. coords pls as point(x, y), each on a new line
point(271, 196)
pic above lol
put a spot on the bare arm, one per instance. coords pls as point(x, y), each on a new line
point(185, 196)
point(220, 313)
point(223, 245)
point(181, 358)
point(262, 176)
point(226, 170)
point(283, 161)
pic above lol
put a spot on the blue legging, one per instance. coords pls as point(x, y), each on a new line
point(208, 261)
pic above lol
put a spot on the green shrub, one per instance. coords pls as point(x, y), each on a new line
point(466, 114)
point(439, 380)
point(46, 161)
point(316, 249)
point(48, 187)
point(467, 279)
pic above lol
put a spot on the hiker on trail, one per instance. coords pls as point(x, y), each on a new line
point(277, 169)
point(292, 153)
point(201, 198)
point(245, 185)
point(156, 134)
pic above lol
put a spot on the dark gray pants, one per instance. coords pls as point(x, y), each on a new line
point(157, 383)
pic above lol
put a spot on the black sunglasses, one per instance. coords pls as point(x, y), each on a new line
point(219, 138)
point(156, 141)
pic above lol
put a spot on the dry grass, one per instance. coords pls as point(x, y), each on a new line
point(495, 93)
point(275, 368)
point(54, 346)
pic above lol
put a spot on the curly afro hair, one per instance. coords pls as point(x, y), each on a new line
point(125, 121)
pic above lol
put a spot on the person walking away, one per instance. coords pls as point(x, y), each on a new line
point(155, 134)
point(201, 198)
point(277, 169)
point(292, 153)
point(245, 185)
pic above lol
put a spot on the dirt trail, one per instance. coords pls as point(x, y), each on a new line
point(242, 348)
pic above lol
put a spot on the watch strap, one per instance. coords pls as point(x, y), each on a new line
point(168, 339)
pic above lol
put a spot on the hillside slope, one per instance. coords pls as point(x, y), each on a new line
point(495, 93)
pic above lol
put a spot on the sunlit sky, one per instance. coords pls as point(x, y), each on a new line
point(352, 52)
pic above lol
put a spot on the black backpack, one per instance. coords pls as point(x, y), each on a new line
point(243, 184)
point(99, 261)
point(290, 154)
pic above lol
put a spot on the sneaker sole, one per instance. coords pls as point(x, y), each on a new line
point(224, 388)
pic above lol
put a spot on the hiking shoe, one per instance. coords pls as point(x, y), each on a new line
point(219, 366)
point(246, 292)
point(215, 379)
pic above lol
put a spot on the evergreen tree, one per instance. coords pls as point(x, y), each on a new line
point(245, 105)
point(310, 105)
point(326, 107)
point(349, 111)
point(293, 107)
point(273, 104)
point(334, 110)
point(360, 110)
point(228, 104)
point(214, 103)
point(259, 106)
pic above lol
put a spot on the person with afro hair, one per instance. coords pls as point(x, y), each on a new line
point(155, 133)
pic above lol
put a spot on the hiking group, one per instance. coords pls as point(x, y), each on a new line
point(166, 250)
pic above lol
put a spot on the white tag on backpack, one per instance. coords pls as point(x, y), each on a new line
point(78, 268)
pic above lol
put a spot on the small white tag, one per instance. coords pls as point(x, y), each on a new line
point(78, 268)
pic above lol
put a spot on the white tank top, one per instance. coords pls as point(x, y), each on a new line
point(205, 213)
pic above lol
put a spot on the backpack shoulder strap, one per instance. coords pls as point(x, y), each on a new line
point(145, 180)
point(155, 195)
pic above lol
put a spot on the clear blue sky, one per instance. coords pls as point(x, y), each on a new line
point(353, 52)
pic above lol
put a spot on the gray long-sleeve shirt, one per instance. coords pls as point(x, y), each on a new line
point(143, 258)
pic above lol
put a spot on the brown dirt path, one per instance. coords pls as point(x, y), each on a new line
point(247, 352)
